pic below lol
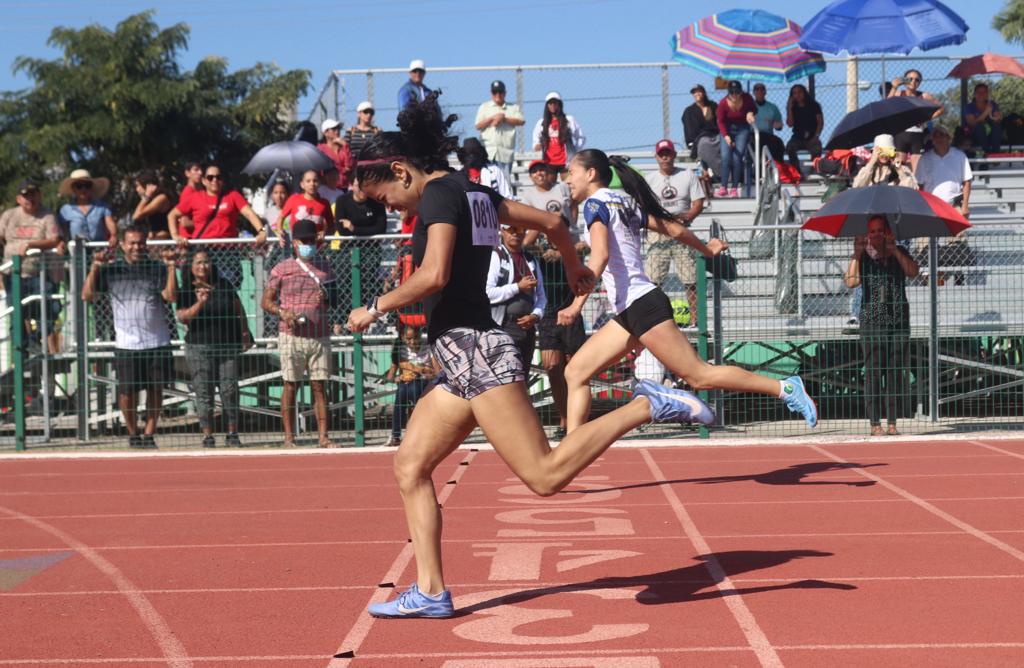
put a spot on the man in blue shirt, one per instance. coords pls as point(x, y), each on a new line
point(413, 88)
point(768, 119)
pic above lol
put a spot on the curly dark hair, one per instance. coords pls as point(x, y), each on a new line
point(423, 141)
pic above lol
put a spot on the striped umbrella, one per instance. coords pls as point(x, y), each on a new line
point(746, 44)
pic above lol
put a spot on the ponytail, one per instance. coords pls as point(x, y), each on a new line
point(636, 187)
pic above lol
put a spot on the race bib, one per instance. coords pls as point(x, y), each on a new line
point(485, 219)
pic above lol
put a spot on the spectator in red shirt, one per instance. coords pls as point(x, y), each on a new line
point(335, 147)
point(736, 114)
point(193, 181)
point(213, 212)
point(305, 205)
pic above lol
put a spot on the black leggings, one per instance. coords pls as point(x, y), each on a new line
point(887, 354)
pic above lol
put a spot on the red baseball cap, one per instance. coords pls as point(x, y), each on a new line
point(537, 163)
point(664, 145)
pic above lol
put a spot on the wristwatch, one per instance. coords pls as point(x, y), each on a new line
point(372, 309)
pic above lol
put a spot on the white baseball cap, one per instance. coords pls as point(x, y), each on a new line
point(553, 95)
point(330, 124)
point(364, 105)
point(417, 65)
point(885, 141)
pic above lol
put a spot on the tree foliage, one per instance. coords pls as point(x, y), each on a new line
point(118, 101)
point(1010, 21)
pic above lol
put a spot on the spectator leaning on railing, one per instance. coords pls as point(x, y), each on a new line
point(138, 286)
point(23, 228)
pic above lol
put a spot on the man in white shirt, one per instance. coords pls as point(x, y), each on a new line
point(945, 172)
point(497, 122)
point(681, 194)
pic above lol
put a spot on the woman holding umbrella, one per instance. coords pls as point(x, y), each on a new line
point(880, 267)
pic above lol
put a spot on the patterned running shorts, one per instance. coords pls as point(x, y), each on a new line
point(473, 362)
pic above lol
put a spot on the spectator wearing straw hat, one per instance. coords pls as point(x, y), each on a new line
point(335, 147)
point(86, 216)
point(413, 89)
point(30, 226)
point(497, 121)
point(364, 130)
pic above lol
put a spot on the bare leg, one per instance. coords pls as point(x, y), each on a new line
point(320, 409)
point(439, 423)
point(554, 364)
point(127, 404)
point(673, 349)
point(154, 401)
point(288, 413)
point(510, 423)
point(606, 346)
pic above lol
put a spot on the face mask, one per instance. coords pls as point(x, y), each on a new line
point(306, 252)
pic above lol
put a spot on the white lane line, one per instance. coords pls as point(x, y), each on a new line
point(173, 651)
point(934, 510)
point(361, 629)
point(999, 450)
point(741, 613)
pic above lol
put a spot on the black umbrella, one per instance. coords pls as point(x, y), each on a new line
point(910, 212)
point(288, 156)
point(889, 116)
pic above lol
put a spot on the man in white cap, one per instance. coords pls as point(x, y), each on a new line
point(413, 88)
point(497, 122)
point(336, 148)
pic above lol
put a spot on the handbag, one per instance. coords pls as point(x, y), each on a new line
point(723, 267)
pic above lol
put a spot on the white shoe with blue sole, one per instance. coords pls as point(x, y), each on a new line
point(672, 405)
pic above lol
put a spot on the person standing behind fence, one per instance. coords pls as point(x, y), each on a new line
point(23, 228)
point(411, 368)
point(86, 217)
point(515, 289)
point(803, 114)
point(154, 205)
point(218, 333)
point(881, 268)
point(214, 215)
point(359, 216)
point(557, 135)
point(299, 293)
point(413, 90)
point(307, 204)
point(364, 129)
point(736, 113)
point(497, 122)
point(138, 287)
point(336, 147)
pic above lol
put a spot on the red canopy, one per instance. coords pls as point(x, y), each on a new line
point(986, 63)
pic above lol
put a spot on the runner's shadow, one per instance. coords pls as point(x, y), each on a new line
point(791, 475)
point(686, 584)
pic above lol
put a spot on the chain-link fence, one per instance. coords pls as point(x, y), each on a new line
point(620, 107)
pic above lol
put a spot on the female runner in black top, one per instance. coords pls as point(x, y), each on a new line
point(481, 381)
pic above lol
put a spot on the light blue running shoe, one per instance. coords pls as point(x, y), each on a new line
point(672, 405)
point(413, 603)
point(798, 401)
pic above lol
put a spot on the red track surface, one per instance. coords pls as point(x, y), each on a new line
point(908, 554)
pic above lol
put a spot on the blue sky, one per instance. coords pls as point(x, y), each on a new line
point(321, 36)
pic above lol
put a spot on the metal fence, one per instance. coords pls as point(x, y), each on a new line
point(620, 106)
point(788, 312)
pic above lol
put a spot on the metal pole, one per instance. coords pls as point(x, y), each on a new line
point(963, 101)
point(757, 166)
point(81, 339)
point(357, 350)
point(933, 335)
point(44, 336)
point(799, 272)
point(716, 295)
point(369, 87)
point(18, 348)
point(666, 130)
point(852, 81)
point(520, 101)
point(702, 325)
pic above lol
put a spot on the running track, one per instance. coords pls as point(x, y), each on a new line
point(871, 553)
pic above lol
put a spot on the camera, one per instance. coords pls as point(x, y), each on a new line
point(301, 320)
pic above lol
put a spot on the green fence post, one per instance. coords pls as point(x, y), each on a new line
point(18, 349)
point(357, 350)
point(702, 325)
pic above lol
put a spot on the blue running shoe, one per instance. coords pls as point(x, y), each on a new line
point(672, 405)
point(798, 401)
point(413, 603)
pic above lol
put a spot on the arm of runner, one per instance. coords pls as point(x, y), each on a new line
point(581, 279)
point(683, 235)
point(597, 261)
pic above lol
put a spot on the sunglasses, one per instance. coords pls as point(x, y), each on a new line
point(213, 177)
point(368, 112)
point(82, 185)
point(918, 79)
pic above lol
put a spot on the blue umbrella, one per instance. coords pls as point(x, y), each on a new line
point(883, 26)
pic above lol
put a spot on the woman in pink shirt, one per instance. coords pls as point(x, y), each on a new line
point(735, 116)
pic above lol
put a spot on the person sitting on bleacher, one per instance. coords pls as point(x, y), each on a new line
point(884, 167)
point(945, 172)
point(803, 114)
point(984, 120)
